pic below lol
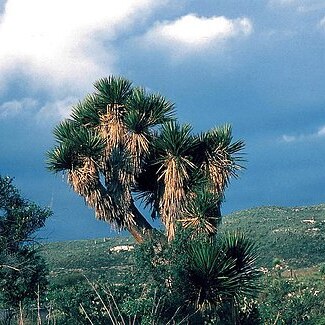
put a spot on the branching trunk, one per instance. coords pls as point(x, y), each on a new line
point(141, 228)
point(123, 214)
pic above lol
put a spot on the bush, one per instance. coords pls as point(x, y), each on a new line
point(200, 279)
point(209, 278)
point(291, 301)
point(22, 270)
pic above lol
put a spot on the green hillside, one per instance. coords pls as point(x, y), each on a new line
point(296, 235)
point(290, 295)
point(70, 260)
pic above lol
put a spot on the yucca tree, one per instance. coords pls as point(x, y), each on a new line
point(185, 176)
point(122, 143)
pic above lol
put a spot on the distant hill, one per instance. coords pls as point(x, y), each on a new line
point(70, 261)
point(296, 235)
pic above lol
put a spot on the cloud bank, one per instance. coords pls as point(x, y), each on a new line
point(65, 42)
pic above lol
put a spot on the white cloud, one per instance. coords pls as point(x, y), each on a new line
point(14, 107)
point(55, 111)
point(288, 138)
point(322, 23)
point(51, 111)
point(320, 133)
point(192, 33)
point(62, 42)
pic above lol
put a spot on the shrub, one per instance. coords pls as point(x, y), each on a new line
point(211, 276)
point(22, 271)
point(322, 269)
point(292, 301)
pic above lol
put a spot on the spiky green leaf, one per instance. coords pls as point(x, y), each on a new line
point(112, 90)
point(86, 112)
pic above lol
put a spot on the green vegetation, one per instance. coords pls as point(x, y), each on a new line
point(22, 270)
point(122, 143)
point(298, 300)
point(300, 248)
point(295, 235)
point(85, 273)
point(199, 279)
point(92, 258)
point(286, 297)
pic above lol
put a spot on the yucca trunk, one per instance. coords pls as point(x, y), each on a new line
point(85, 181)
point(140, 229)
point(175, 177)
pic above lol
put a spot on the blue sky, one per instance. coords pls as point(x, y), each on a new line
point(259, 65)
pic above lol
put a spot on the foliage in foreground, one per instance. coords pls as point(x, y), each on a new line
point(297, 300)
point(22, 271)
point(213, 276)
point(292, 300)
point(186, 281)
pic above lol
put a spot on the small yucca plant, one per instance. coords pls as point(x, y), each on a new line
point(221, 273)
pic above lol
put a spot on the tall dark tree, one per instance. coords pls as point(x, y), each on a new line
point(22, 270)
point(122, 143)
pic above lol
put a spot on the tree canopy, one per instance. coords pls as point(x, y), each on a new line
point(122, 143)
point(22, 271)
